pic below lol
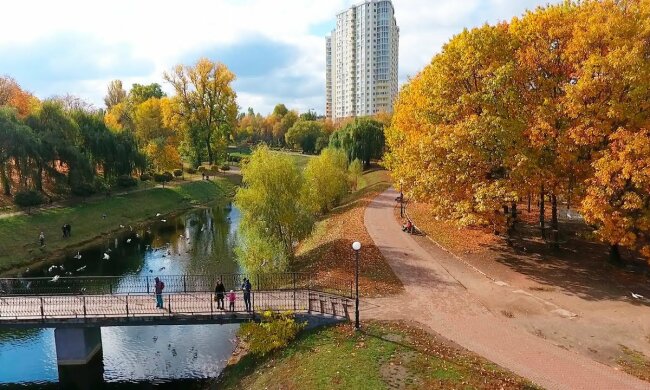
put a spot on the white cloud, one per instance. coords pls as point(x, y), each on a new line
point(164, 32)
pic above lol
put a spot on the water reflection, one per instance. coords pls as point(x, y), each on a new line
point(198, 242)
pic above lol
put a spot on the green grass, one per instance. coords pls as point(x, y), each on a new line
point(19, 234)
point(381, 356)
point(373, 177)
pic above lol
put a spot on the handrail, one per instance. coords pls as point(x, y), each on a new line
point(143, 284)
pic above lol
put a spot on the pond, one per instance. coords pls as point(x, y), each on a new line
point(200, 241)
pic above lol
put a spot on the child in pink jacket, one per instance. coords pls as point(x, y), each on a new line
point(231, 300)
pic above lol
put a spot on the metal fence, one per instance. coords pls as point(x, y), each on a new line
point(125, 285)
point(142, 306)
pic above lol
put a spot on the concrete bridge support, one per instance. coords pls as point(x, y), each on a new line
point(77, 346)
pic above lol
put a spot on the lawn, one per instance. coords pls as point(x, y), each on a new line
point(384, 355)
point(19, 234)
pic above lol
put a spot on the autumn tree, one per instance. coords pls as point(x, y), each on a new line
point(115, 95)
point(159, 142)
point(206, 106)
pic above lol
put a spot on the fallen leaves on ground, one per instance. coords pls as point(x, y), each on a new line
point(329, 258)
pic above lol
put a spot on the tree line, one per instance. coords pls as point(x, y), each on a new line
point(554, 105)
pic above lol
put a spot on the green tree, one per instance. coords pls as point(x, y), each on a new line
point(271, 204)
point(326, 179)
point(140, 93)
point(305, 134)
point(355, 171)
point(363, 139)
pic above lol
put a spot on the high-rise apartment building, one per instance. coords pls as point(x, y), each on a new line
point(362, 56)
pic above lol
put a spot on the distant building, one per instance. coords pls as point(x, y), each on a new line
point(361, 60)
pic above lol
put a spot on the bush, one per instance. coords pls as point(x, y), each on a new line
point(234, 158)
point(163, 177)
point(214, 168)
point(202, 169)
point(83, 189)
point(178, 172)
point(191, 171)
point(126, 181)
point(28, 199)
point(275, 331)
point(225, 167)
point(145, 177)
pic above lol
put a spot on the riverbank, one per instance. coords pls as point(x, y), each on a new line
point(382, 355)
point(327, 254)
point(92, 220)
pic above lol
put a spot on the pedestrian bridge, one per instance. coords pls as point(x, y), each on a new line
point(77, 307)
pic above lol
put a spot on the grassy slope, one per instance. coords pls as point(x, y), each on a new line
point(381, 356)
point(327, 255)
point(19, 235)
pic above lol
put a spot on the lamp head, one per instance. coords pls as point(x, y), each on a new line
point(356, 245)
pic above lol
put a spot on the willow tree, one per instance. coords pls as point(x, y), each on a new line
point(275, 215)
point(206, 106)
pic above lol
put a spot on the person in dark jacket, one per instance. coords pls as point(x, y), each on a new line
point(219, 292)
point(159, 287)
point(246, 287)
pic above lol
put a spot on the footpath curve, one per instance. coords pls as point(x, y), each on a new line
point(435, 299)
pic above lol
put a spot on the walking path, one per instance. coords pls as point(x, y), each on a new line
point(435, 298)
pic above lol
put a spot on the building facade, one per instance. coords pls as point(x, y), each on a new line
point(361, 61)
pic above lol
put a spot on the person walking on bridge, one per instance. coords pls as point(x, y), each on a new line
point(219, 292)
point(246, 287)
point(159, 287)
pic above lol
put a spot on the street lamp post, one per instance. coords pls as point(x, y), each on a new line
point(356, 246)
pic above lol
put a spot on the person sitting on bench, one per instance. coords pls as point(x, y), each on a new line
point(408, 226)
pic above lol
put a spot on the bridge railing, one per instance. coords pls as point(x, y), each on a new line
point(127, 306)
point(137, 284)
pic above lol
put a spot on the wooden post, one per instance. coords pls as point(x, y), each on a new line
point(84, 302)
point(127, 307)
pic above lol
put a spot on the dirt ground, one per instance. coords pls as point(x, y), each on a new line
point(572, 297)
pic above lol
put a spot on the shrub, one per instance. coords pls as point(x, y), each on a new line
point(83, 189)
point(145, 177)
point(178, 172)
point(234, 158)
point(191, 171)
point(201, 169)
point(28, 199)
point(225, 167)
point(275, 331)
point(126, 181)
point(163, 177)
point(214, 168)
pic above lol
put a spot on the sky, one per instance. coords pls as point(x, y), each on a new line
point(276, 48)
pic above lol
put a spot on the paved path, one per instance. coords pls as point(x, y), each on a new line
point(434, 298)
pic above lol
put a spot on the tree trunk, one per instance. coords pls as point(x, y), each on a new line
point(6, 184)
point(614, 254)
point(529, 202)
point(554, 223)
point(39, 178)
point(541, 211)
point(209, 147)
